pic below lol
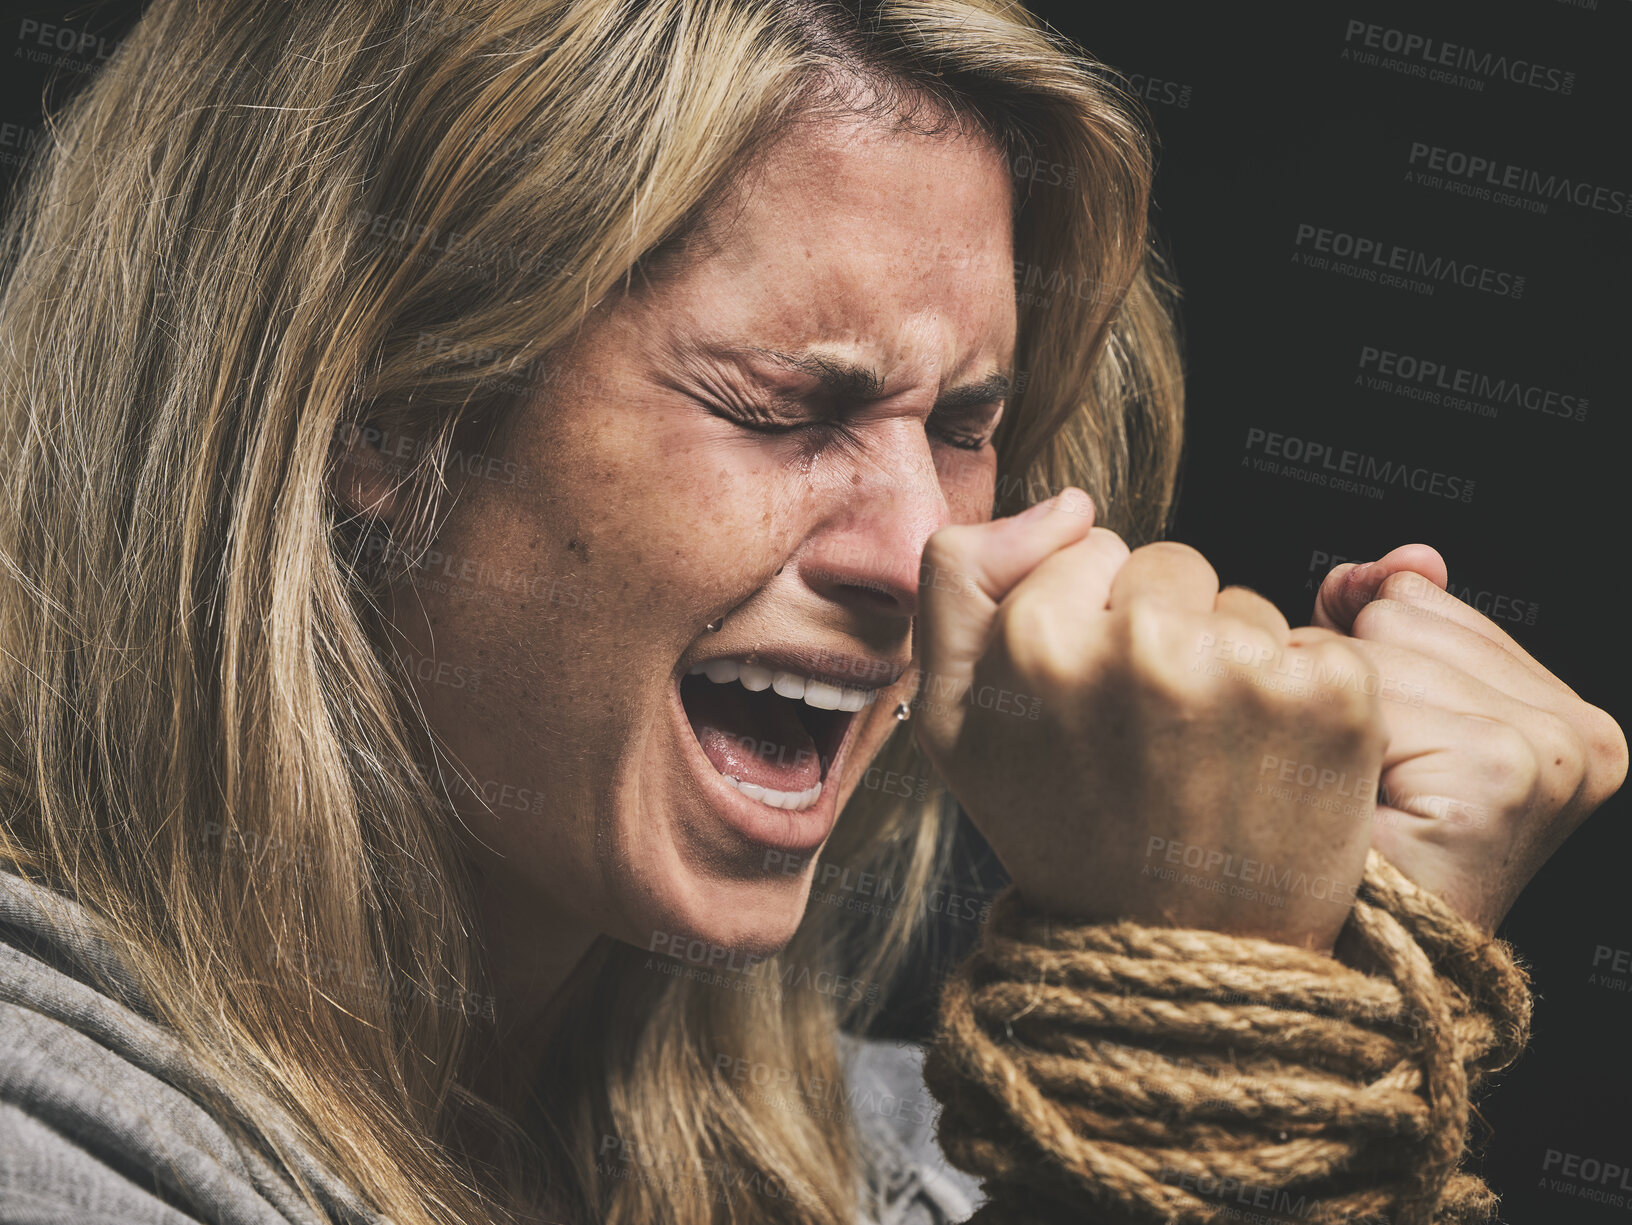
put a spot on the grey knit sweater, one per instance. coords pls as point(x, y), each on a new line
point(99, 1124)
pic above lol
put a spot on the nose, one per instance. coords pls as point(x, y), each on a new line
point(867, 555)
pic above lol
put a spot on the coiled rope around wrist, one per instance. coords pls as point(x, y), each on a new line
point(1105, 1073)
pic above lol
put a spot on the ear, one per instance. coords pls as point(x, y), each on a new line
point(362, 478)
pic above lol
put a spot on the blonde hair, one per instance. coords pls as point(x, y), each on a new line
point(230, 251)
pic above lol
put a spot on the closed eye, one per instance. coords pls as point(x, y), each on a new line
point(969, 428)
point(962, 426)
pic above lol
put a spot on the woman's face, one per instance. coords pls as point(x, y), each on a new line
point(715, 448)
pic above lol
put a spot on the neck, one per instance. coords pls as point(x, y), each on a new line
point(531, 954)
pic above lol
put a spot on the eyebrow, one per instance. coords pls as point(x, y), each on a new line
point(852, 381)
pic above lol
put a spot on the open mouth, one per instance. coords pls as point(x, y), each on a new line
point(771, 734)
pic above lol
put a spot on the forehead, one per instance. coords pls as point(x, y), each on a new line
point(856, 232)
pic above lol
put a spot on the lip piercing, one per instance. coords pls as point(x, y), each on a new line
point(714, 625)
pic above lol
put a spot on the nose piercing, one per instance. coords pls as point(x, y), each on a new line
point(903, 712)
point(714, 625)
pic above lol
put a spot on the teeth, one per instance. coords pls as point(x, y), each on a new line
point(722, 670)
point(820, 694)
point(794, 801)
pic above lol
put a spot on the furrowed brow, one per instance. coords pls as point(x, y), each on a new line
point(850, 381)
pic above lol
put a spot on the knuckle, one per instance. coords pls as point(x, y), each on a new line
point(1178, 553)
point(948, 546)
point(1557, 741)
point(1029, 631)
point(1379, 618)
point(1507, 762)
point(1309, 635)
point(1606, 749)
point(1107, 541)
point(1409, 587)
point(1143, 650)
point(1340, 672)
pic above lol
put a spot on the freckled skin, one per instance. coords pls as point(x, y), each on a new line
point(654, 516)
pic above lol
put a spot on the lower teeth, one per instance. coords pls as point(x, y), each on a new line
point(794, 801)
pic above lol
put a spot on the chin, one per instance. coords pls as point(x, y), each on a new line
point(710, 924)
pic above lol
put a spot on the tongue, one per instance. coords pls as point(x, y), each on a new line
point(753, 737)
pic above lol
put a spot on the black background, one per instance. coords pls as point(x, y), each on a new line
point(1263, 126)
point(1279, 130)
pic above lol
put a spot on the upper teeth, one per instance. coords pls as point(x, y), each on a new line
point(812, 692)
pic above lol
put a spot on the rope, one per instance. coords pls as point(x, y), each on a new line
point(1173, 1076)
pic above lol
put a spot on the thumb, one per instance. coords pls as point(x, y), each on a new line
point(968, 569)
point(1349, 588)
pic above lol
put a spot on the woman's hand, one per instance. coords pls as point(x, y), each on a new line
point(1492, 761)
point(1105, 719)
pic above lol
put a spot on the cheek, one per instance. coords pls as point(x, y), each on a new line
point(968, 482)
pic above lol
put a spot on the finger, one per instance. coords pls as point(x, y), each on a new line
point(1168, 571)
point(1410, 682)
point(967, 570)
point(1080, 575)
point(992, 557)
point(1349, 588)
point(1249, 606)
point(1427, 632)
point(1410, 588)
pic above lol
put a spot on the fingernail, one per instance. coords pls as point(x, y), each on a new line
point(1354, 584)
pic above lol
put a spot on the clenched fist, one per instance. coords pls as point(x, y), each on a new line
point(1105, 718)
point(1492, 761)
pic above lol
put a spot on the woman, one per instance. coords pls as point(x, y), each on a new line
point(488, 482)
